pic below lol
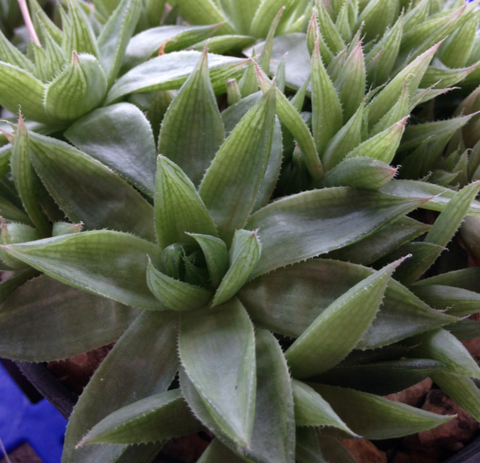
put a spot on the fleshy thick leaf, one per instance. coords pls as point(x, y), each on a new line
point(217, 350)
point(89, 192)
point(113, 40)
point(192, 130)
point(374, 417)
point(265, 15)
point(159, 417)
point(232, 181)
point(151, 337)
point(79, 89)
point(327, 210)
point(21, 90)
point(288, 300)
point(244, 256)
point(45, 320)
point(174, 294)
point(204, 12)
point(178, 206)
point(120, 137)
point(106, 263)
point(327, 341)
point(442, 346)
point(312, 410)
point(170, 71)
point(218, 453)
point(78, 35)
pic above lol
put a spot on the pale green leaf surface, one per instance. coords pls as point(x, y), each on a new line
point(438, 196)
point(445, 347)
point(106, 263)
point(288, 300)
point(374, 417)
point(380, 244)
point(89, 192)
point(115, 36)
point(17, 279)
point(9, 53)
point(312, 410)
point(467, 278)
point(461, 389)
point(217, 452)
point(314, 219)
point(307, 446)
point(265, 15)
point(224, 44)
point(44, 320)
point(192, 130)
point(217, 350)
point(333, 451)
point(204, 12)
point(78, 35)
point(240, 14)
point(455, 301)
point(216, 256)
point(152, 336)
point(174, 294)
point(120, 137)
point(20, 89)
point(26, 181)
point(231, 183)
point(11, 212)
point(329, 339)
point(159, 417)
point(445, 77)
point(145, 44)
point(244, 256)
point(170, 71)
point(79, 89)
point(381, 378)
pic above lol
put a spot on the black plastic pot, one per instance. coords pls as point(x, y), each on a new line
point(63, 400)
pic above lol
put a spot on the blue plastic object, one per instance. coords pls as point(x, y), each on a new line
point(40, 424)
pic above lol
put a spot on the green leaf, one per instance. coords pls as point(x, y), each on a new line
point(115, 36)
point(78, 35)
point(360, 172)
point(156, 418)
point(26, 180)
point(308, 448)
point(461, 389)
point(89, 192)
point(192, 130)
point(328, 210)
point(312, 410)
point(216, 256)
point(464, 329)
point(382, 146)
point(12, 213)
point(271, 27)
point(332, 37)
point(204, 12)
point(107, 263)
point(288, 300)
point(216, 452)
point(241, 15)
point(244, 256)
point(377, 16)
point(174, 294)
point(79, 89)
point(120, 137)
point(467, 278)
point(378, 245)
point(12, 233)
point(10, 54)
point(438, 197)
point(327, 341)
point(442, 346)
point(170, 71)
point(146, 44)
point(217, 350)
point(152, 336)
point(351, 82)
point(232, 181)
point(265, 14)
point(455, 301)
point(327, 113)
point(178, 206)
point(44, 320)
point(445, 77)
point(374, 417)
point(390, 94)
point(381, 378)
point(20, 89)
point(294, 122)
point(10, 284)
point(333, 451)
point(345, 140)
point(42, 22)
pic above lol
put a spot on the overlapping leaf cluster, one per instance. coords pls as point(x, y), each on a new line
point(242, 260)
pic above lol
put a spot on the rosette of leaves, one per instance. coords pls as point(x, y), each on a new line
point(69, 72)
point(186, 262)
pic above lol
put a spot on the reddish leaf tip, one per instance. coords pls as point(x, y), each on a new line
point(75, 58)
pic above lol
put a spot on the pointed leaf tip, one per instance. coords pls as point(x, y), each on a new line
point(75, 58)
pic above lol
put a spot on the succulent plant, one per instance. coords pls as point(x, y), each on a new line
point(259, 268)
